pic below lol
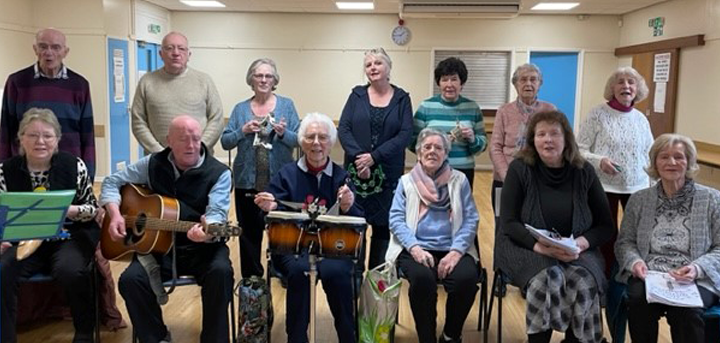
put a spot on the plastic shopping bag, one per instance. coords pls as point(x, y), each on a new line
point(379, 295)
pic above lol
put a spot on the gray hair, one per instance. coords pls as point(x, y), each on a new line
point(319, 118)
point(642, 88)
point(40, 114)
point(257, 63)
point(527, 67)
point(381, 54)
point(667, 140)
point(429, 132)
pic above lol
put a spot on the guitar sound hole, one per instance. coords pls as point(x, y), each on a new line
point(137, 229)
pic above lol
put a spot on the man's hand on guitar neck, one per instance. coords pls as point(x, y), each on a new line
point(197, 232)
point(116, 228)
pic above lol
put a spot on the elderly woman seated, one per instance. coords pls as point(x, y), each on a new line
point(434, 221)
point(672, 227)
point(314, 177)
point(550, 186)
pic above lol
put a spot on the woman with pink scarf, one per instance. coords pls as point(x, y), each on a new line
point(433, 223)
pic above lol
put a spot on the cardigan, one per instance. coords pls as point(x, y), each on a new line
point(244, 168)
point(354, 131)
point(590, 218)
point(407, 217)
point(633, 243)
point(623, 137)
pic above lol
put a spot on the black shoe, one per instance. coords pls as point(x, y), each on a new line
point(442, 339)
point(500, 290)
point(83, 337)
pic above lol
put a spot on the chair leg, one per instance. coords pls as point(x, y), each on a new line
point(482, 311)
point(232, 318)
point(95, 284)
point(497, 280)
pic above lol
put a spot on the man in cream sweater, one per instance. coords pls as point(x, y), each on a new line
point(173, 90)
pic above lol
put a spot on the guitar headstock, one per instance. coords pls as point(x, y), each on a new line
point(223, 230)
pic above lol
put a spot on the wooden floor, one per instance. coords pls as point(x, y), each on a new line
point(183, 312)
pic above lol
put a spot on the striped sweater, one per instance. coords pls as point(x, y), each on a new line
point(444, 116)
point(68, 98)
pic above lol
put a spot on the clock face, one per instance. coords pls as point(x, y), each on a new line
point(401, 35)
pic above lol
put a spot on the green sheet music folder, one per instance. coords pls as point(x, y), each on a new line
point(33, 215)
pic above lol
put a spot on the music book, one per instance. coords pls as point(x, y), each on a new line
point(664, 289)
point(33, 215)
point(551, 238)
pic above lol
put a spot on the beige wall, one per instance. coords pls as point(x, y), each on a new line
point(698, 111)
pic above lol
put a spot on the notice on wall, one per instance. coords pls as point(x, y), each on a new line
point(659, 100)
point(661, 71)
point(119, 75)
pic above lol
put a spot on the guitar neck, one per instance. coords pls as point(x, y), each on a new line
point(164, 225)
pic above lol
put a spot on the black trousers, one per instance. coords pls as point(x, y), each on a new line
point(686, 324)
point(252, 220)
point(470, 174)
point(209, 264)
point(461, 288)
point(67, 262)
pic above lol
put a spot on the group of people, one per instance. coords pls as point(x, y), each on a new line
point(425, 221)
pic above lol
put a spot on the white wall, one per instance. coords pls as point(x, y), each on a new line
point(698, 111)
point(320, 56)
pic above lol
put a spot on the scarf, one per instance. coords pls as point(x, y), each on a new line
point(615, 104)
point(433, 190)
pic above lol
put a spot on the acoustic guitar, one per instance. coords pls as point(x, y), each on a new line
point(150, 221)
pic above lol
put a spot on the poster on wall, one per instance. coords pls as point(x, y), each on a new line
point(661, 71)
point(659, 99)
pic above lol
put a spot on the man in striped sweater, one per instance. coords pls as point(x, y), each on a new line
point(50, 84)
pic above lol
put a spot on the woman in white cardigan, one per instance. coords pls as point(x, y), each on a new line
point(433, 221)
point(672, 227)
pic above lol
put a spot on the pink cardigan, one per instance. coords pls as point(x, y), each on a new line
point(509, 127)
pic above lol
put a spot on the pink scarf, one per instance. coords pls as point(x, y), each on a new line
point(433, 191)
point(615, 104)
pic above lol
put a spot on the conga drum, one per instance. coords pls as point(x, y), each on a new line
point(340, 236)
point(286, 231)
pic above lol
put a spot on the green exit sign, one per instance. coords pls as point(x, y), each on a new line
point(657, 25)
point(154, 28)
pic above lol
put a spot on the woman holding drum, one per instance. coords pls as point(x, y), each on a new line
point(314, 181)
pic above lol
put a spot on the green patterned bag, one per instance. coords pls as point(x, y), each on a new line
point(379, 295)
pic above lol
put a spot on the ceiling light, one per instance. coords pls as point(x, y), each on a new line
point(554, 6)
point(355, 5)
point(203, 3)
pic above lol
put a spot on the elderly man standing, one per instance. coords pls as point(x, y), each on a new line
point(50, 84)
point(184, 171)
point(172, 90)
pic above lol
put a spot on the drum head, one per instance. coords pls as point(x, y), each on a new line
point(349, 220)
point(284, 215)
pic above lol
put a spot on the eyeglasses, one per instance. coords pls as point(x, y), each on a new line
point(429, 147)
point(263, 76)
point(528, 79)
point(171, 48)
point(35, 136)
point(322, 138)
point(53, 47)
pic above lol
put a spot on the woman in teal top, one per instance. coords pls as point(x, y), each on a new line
point(454, 114)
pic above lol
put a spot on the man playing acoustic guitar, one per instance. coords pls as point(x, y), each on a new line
point(184, 171)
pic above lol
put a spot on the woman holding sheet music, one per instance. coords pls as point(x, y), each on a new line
point(672, 227)
point(550, 186)
point(38, 167)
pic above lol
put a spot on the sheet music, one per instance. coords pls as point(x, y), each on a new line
point(549, 238)
point(664, 289)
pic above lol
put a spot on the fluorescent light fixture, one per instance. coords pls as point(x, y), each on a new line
point(355, 5)
point(203, 3)
point(554, 6)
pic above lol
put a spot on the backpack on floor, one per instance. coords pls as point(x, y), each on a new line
point(255, 310)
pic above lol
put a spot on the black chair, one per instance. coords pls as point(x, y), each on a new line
point(187, 280)
point(43, 278)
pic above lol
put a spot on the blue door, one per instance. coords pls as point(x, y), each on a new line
point(148, 60)
point(560, 70)
point(119, 128)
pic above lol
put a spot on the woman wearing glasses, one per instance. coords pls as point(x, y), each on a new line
point(550, 186)
point(375, 127)
point(314, 180)
point(264, 130)
point(40, 166)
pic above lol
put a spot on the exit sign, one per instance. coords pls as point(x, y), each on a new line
point(657, 25)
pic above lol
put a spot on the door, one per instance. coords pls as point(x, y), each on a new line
point(661, 120)
point(119, 127)
point(148, 59)
point(560, 73)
